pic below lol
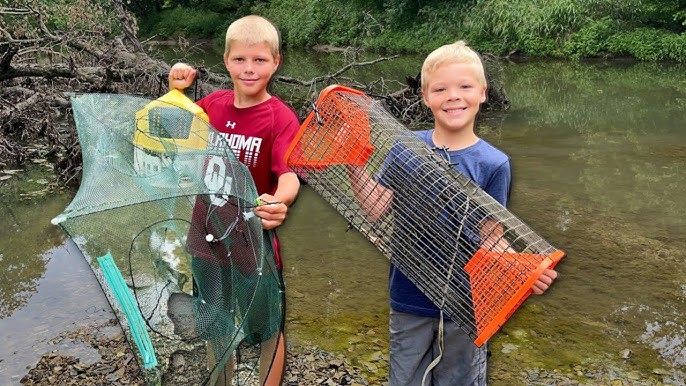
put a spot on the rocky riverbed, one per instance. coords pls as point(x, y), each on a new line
point(117, 365)
point(306, 366)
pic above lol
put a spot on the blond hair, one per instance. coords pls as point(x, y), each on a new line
point(457, 52)
point(251, 30)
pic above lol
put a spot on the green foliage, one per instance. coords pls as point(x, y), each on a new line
point(191, 22)
point(679, 17)
point(434, 25)
point(220, 6)
point(535, 28)
point(613, 9)
point(307, 23)
point(147, 8)
point(649, 44)
point(144, 8)
point(190, 18)
point(663, 14)
point(590, 40)
point(401, 12)
point(675, 46)
point(69, 17)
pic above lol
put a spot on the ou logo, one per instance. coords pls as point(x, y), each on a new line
point(217, 182)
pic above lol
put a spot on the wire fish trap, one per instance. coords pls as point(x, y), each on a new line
point(164, 216)
point(465, 251)
point(344, 142)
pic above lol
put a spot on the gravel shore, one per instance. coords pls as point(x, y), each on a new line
point(117, 364)
point(306, 366)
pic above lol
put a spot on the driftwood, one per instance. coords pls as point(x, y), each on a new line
point(41, 68)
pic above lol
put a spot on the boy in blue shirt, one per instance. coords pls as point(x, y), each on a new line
point(453, 86)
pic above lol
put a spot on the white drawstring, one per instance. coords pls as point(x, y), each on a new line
point(436, 360)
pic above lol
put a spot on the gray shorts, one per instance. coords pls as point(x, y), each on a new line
point(414, 345)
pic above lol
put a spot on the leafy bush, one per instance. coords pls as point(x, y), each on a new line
point(536, 28)
point(191, 22)
point(675, 45)
point(641, 43)
point(307, 23)
point(590, 40)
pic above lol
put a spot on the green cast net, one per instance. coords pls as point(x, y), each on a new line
point(164, 216)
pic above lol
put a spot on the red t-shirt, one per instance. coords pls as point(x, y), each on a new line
point(258, 135)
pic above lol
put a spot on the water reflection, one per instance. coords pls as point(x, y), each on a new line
point(25, 237)
point(65, 296)
point(598, 154)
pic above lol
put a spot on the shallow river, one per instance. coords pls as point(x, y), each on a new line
point(599, 158)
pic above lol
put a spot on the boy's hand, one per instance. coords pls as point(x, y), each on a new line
point(270, 211)
point(544, 281)
point(181, 76)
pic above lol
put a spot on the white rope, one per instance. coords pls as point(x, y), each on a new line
point(436, 360)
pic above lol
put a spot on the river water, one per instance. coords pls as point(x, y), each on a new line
point(599, 160)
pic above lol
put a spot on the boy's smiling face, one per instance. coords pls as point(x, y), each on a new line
point(250, 67)
point(453, 94)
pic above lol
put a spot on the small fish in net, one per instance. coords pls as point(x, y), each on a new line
point(466, 252)
point(164, 216)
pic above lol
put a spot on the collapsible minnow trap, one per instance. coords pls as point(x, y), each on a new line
point(164, 216)
point(471, 256)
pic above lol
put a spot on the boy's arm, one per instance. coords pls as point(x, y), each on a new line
point(181, 76)
point(287, 188)
point(374, 199)
point(491, 233)
point(491, 236)
point(274, 208)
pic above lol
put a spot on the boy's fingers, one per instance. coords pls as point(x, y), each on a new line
point(539, 287)
point(270, 224)
point(276, 208)
point(182, 74)
point(551, 273)
point(271, 216)
point(545, 278)
point(544, 281)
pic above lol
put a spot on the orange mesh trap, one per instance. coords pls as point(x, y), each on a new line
point(468, 254)
point(343, 140)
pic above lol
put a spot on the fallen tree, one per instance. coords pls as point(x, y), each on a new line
point(89, 48)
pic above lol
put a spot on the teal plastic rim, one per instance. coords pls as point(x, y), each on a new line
point(128, 305)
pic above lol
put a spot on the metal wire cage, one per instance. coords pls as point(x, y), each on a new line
point(465, 251)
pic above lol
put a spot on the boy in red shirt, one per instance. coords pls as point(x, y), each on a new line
point(258, 127)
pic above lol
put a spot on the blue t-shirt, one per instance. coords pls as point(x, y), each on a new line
point(484, 164)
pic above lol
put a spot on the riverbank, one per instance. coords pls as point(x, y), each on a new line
point(116, 365)
point(306, 366)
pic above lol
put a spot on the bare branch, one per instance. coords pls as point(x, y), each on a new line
point(127, 24)
point(6, 59)
point(14, 11)
point(286, 79)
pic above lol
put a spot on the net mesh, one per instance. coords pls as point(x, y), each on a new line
point(165, 205)
point(465, 251)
